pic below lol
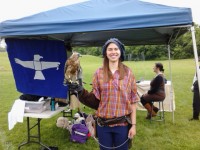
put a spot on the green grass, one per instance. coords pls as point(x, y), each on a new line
point(181, 134)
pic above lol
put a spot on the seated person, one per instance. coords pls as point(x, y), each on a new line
point(156, 92)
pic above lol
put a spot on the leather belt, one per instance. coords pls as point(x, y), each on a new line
point(106, 122)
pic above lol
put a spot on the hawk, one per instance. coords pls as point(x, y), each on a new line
point(72, 70)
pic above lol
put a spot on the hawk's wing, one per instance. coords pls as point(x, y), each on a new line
point(47, 65)
point(70, 66)
point(26, 64)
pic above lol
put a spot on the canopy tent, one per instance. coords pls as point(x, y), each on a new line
point(92, 22)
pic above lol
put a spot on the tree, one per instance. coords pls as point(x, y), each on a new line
point(182, 48)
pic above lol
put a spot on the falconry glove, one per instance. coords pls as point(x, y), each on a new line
point(75, 88)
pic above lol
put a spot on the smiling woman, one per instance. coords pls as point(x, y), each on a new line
point(113, 53)
point(114, 90)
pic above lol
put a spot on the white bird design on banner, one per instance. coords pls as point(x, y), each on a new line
point(38, 66)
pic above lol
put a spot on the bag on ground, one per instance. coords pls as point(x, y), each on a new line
point(79, 133)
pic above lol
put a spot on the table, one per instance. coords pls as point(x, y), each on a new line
point(169, 102)
point(44, 115)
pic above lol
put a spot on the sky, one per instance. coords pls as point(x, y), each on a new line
point(14, 9)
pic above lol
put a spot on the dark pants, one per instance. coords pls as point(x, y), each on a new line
point(148, 98)
point(113, 137)
point(196, 104)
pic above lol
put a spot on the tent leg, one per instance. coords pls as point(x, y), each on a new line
point(195, 55)
point(171, 92)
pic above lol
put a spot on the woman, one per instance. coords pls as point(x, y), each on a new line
point(114, 97)
point(156, 92)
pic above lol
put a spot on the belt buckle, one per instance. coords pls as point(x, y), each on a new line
point(99, 123)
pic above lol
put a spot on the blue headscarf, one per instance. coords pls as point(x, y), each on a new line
point(119, 44)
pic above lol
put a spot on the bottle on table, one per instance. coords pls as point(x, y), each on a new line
point(52, 104)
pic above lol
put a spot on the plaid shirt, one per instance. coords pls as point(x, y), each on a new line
point(116, 96)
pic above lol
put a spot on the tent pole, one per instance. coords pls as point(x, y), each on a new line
point(170, 74)
point(195, 55)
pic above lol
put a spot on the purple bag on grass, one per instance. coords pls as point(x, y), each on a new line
point(79, 133)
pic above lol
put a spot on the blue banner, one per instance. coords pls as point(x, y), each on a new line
point(38, 66)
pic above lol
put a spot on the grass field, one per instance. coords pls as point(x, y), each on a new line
point(180, 135)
